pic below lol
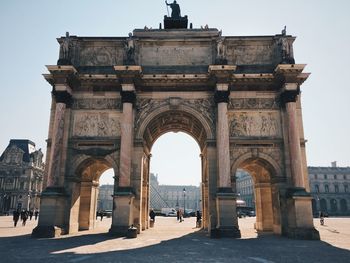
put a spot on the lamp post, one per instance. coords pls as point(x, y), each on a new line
point(184, 191)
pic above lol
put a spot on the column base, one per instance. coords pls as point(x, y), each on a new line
point(227, 222)
point(52, 209)
point(302, 233)
point(232, 232)
point(118, 231)
point(46, 232)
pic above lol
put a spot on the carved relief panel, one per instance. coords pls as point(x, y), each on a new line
point(100, 56)
point(257, 124)
point(96, 124)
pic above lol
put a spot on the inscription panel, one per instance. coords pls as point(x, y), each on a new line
point(175, 55)
point(96, 124)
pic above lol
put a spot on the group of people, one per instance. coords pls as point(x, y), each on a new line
point(24, 215)
point(179, 216)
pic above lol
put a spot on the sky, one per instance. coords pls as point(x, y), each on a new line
point(28, 32)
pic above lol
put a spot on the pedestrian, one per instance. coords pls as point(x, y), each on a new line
point(30, 214)
point(178, 215)
point(101, 215)
point(24, 217)
point(321, 218)
point(15, 217)
point(36, 214)
point(198, 219)
point(152, 215)
point(181, 215)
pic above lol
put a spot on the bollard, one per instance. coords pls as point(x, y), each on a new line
point(132, 232)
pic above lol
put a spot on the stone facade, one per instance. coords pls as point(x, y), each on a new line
point(238, 97)
point(174, 196)
point(21, 176)
point(330, 189)
point(245, 188)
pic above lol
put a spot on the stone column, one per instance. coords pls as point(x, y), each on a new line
point(289, 98)
point(62, 98)
point(53, 202)
point(123, 199)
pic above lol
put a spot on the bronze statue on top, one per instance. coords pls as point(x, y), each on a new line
point(175, 21)
point(175, 9)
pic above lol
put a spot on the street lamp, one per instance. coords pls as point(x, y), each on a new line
point(184, 191)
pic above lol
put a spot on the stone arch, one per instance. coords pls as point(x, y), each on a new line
point(84, 189)
point(343, 206)
point(198, 122)
point(263, 170)
point(166, 119)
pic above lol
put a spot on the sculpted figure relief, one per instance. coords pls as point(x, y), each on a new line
point(261, 125)
point(175, 9)
point(90, 125)
point(130, 50)
point(65, 50)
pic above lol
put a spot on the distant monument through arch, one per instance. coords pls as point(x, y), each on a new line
point(238, 97)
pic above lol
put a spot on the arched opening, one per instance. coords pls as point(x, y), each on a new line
point(175, 176)
point(259, 173)
point(323, 205)
point(184, 122)
point(105, 194)
point(87, 191)
point(334, 205)
point(343, 206)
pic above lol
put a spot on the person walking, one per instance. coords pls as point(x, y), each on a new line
point(36, 214)
point(24, 217)
point(321, 218)
point(30, 214)
point(198, 219)
point(152, 215)
point(181, 215)
point(15, 217)
point(178, 215)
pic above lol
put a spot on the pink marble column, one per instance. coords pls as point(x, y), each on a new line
point(294, 144)
point(56, 145)
point(223, 139)
point(126, 143)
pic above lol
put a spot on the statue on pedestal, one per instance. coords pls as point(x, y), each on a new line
point(220, 51)
point(65, 50)
point(286, 48)
point(130, 50)
point(175, 9)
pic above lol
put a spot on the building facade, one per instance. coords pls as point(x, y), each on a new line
point(330, 190)
point(245, 189)
point(21, 176)
point(174, 196)
point(329, 187)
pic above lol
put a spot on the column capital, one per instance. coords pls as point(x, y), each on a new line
point(222, 96)
point(62, 97)
point(291, 73)
point(128, 96)
point(290, 92)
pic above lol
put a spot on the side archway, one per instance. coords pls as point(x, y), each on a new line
point(264, 171)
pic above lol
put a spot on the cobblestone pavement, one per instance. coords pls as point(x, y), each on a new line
point(171, 241)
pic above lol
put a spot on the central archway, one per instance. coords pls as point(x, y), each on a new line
point(169, 120)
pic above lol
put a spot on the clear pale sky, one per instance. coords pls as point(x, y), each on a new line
point(28, 31)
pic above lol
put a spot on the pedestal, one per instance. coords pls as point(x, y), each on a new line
point(51, 218)
point(122, 213)
point(227, 222)
point(300, 220)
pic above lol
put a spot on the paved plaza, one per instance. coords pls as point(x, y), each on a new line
point(171, 241)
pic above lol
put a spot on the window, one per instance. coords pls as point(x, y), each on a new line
point(325, 176)
point(335, 177)
point(344, 176)
point(346, 188)
point(317, 188)
point(326, 188)
point(315, 176)
point(336, 188)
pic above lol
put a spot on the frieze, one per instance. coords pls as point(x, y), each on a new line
point(101, 56)
point(253, 103)
point(262, 124)
point(96, 125)
point(250, 54)
point(96, 104)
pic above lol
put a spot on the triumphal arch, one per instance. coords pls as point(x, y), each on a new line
point(237, 96)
